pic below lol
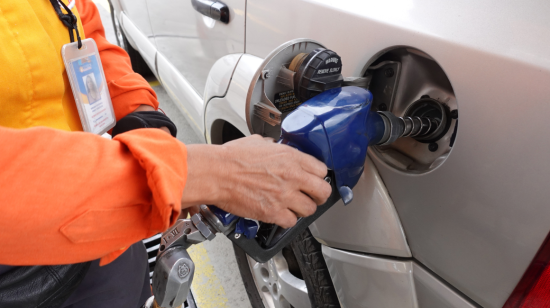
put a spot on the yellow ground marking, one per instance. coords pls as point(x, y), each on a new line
point(206, 287)
point(104, 4)
point(154, 83)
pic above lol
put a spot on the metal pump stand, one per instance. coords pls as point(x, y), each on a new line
point(175, 269)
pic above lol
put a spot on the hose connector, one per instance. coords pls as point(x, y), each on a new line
point(412, 126)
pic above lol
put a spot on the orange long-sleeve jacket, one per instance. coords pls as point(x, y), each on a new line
point(69, 196)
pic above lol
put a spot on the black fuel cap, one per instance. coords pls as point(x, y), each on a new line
point(317, 72)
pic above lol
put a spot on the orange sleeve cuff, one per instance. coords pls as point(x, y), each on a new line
point(169, 210)
point(166, 176)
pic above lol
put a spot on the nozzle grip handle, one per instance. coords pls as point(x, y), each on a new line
point(282, 237)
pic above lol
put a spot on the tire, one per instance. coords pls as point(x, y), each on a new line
point(305, 261)
point(248, 279)
point(138, 64)
point(315, 271)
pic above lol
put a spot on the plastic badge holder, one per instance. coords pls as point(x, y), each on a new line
point(89, 86)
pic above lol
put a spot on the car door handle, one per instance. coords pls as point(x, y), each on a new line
point(213, 9)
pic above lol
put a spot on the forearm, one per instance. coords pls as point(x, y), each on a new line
point(206, 169)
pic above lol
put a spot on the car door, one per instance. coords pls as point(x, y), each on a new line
point(134, 18)
point(189, 43)
point(136, 10)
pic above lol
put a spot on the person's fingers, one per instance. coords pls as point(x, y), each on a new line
point(269, 139)
point(317, 189)
point(286, 219)
point(302, 205)
point(312, 165)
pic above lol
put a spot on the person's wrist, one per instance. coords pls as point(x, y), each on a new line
point(205, 172)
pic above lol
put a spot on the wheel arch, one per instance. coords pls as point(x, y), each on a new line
point(223, 131)
point(225, 97)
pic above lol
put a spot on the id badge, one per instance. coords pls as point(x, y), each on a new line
point(89, 87)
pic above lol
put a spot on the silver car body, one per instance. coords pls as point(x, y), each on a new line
point(461, 235)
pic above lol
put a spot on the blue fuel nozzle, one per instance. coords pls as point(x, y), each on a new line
point(336, 127)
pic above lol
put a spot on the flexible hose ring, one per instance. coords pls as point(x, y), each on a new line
point(419, 130)
point(412, 127)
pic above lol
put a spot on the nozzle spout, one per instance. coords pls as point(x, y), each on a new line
point(398, 127)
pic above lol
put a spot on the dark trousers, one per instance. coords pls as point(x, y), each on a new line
point(123, 283)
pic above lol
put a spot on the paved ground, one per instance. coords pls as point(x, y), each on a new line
point(217, 282)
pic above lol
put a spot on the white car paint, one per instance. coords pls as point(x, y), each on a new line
point(391, 283)
point(192, 42)
point(368, 224)
point(139, 41)
point(231, 107)
point(181, 91)
point(220, 76)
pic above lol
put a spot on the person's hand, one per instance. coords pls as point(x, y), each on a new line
point(256, 178)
